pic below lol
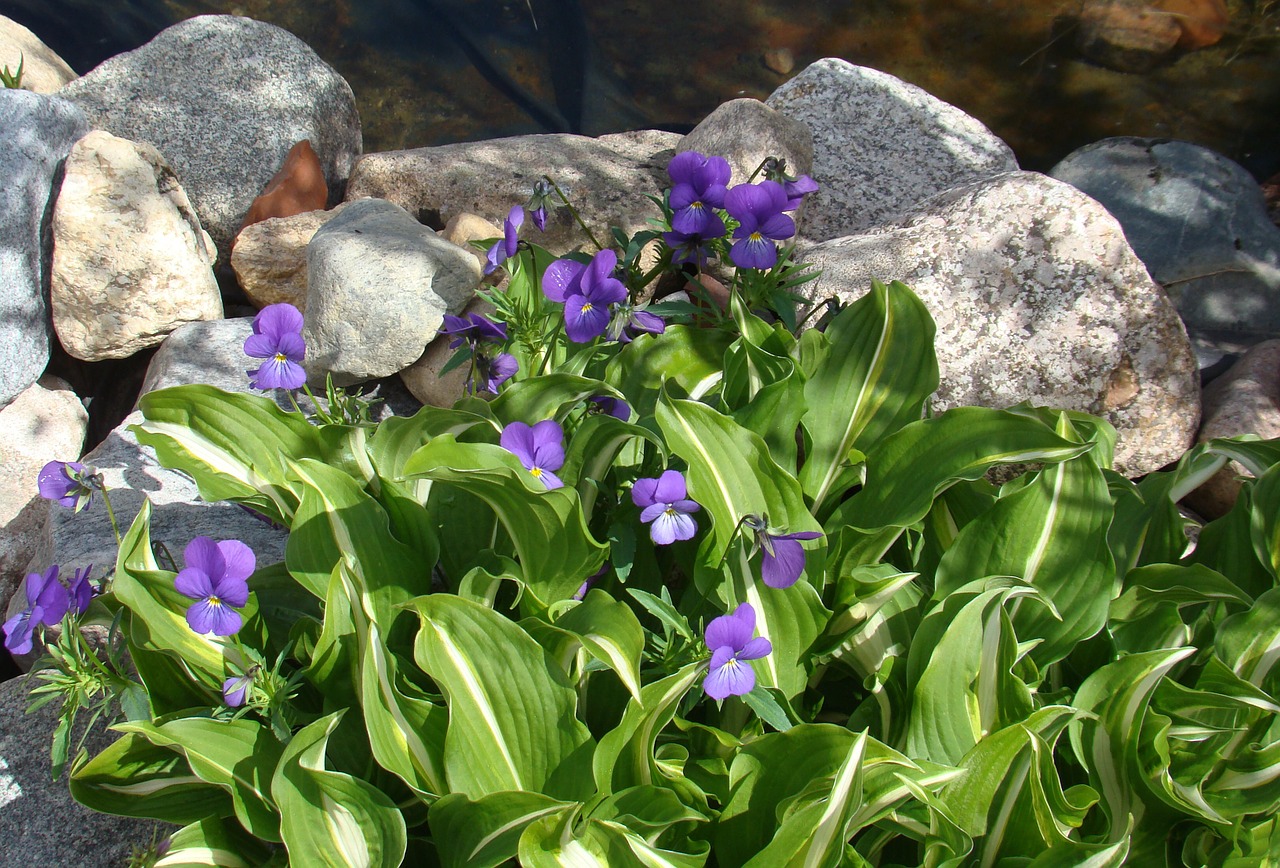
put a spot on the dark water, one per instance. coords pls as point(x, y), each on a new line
point(437, 71)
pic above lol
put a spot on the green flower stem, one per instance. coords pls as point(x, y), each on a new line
point(573, 211)
point(111, 515)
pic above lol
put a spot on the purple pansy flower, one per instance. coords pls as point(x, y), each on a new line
point(615, 407)
point(537, 206)
point(215, 577)
point(81, 591)
point(758, 209)
point(540, 449)
point(631, 320)
point(70, 483)
point(235, 689)
point(277, 337)
point(492, 373)
point(781, 555)
point(505, 247)
point(587, 292)
point(664, 502)
point(699, 188)
point(687, 249)
point(472, 329)
point(796, 189)
point(47, 602)
point(729, 639)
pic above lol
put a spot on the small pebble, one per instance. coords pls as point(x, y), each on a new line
point(780, 60)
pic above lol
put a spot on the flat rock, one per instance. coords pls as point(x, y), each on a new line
point(881, 146)
point(39, 132)
point(38, 818)
point(270, 257)
point(378, 286)
point(1037, 297)
point(43, 71)
point(1199, 222)
point(224, 98)
point(1244, 400)
point(745, 132)
point(130, 260)
point(44, 423)
point(605, 178)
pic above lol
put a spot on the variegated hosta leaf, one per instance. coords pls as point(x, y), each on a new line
point(555, 549)
point(561, 839)
point(486, 832)
point(1249, 643)
point(239, 755)
point(512, 723)
point(610, 632)
point(133, 777)
point(1226, 545)
point(687, 357)
point(549, 396)
point(625, 756)
point(235, 446)
point(1149, 613)
point(213, 842)
point(1265, 524)
point(1107, 740)
point(967, 689)
point(1010, 798)
point(339, 522)
point(330, 818)
point(1052, 534)
point(398, 437)
point(796, 797)
point(907, 470)
point(875, 378)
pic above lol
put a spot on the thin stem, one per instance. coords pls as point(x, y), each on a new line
point(573, 211)
point(111, 514)
point(294, 400)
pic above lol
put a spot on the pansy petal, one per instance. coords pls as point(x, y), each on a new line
point(239, 560)
point(652, 511)
point(194, 583)
point(686, 505)
point(233, 592)
point(18, 631)
point(226, 621)
point(684, 165)
point(548, 445)
point(202, 553)
point(517, 438)
point(234, 690)
point(550, 480)
point(584, 320)
point(755, 649)
point(276, 320)
point(201, 616)
point(754, 252)
point(681, 197)
point(293, 347)
point(728, 631)
point(54, 601)
point(260, 346)
point(779, 227)
point(562, 279)
point(671, 526)
point(785, 566)
point(733, 678)
point(671, 487)
point(642, 492)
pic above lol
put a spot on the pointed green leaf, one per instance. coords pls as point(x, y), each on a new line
point(611, 633)
point(486, 832)
point(134, 778)
point(212, 842)
point(625, 756)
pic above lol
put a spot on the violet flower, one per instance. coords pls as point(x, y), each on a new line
point(796, 189)
point(507, 246)
point(472, 329)
point(69, 483)
point(540, 449)
point(586, 291)
point(699, 188)
point(81, 591)
point(215, 577)
point(729, 639)
point(47, 602)
point(688, 249)
point(781, 555)
point(758, 209)
point(615, 407)
point(664, 501)
point(277, 337)
point(492, 373)
point(538, 203)
point(235, 690)
point(631, 320)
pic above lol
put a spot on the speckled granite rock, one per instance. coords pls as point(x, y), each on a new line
point(40, 823)
point(881, 146)
point(1199, 222)
point(1037, 297)
point(130, 260)
point(745, 131)
point(224, 98)
point(606, 178)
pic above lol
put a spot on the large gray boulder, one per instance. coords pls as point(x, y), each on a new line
point(224, 98)
point(40, 823)
point(1199, 222)
point(378, 286)
point(1037, 297)
point(130, 260)
point(881, 146)
point(605, 178)
point(38, 132)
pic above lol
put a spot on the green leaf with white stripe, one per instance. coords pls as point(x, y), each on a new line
point(549, 396)
point(212, 842)
point(398, 437)
point(486, 832)
point(907, 470)
point(611, 633)
point(1052, 534)
point(1249, 643)
point(512, 723)
point(1265, 523)
point(330, 818)
point(688, 357)
point(234, 445)
point(879, 372)
point(239, 755)
point(555, 549)
point(134, 778)
point(625, 756)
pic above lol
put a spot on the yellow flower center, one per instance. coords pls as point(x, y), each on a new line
point(214, 601)
point(586, 307)
point(281, 358)
point(670, 510)
point(536, 471)
point(755, 237)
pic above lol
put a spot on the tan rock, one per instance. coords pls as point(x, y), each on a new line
point(423, 379)
point(270, 257)
point(1126, 35)
point(43, 71)
point(131, 262)
point(1244, 400)
point(44, 423)
point(298, 187)
point(465, 227)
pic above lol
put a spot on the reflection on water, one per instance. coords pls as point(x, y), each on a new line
point(437, 71)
